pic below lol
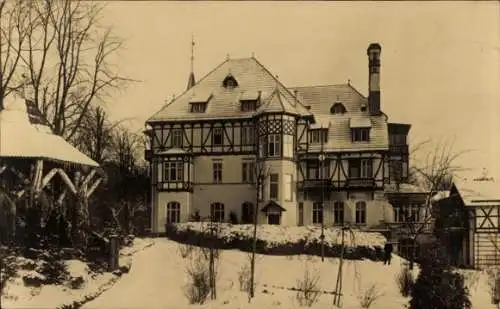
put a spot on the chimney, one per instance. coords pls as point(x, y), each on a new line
point(373, 53)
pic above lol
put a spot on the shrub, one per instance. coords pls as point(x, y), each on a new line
point(405, 281)
point(185, 250)
point(369, 296)
point(198, 287)
point(308, 289)
point(494, 284)
point(437, 286)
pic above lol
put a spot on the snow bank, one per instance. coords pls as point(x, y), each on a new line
point(82, 285)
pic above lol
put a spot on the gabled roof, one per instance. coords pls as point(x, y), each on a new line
point(277, 102)
point(26, 135)
point(251, 77)
point(322, 98)
point(484, 192)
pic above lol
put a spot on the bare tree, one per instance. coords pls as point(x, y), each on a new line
point(14, 21)
point(67, 56)
point(433, 173)
point(259, 174)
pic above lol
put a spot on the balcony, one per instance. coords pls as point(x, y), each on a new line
point(398, 149)
point(314, 184)
point(360, 183)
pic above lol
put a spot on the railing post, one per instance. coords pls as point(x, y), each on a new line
point(114, 252)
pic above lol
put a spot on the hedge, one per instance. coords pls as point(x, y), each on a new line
point(243, 242)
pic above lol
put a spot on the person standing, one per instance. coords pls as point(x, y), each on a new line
point(387, 253)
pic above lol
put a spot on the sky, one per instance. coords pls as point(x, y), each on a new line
point(440, 68)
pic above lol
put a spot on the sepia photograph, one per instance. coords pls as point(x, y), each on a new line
point(249, 154)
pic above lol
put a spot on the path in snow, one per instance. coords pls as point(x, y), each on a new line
point(151, 282)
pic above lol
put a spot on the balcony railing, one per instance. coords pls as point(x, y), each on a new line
point(360, 182)
point(315, 183)
point(398, 149)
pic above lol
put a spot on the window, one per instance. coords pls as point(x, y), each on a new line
point(173, 214)
point(338, 213)
point(248, 105)
point(273, 186)
point(360, 168)
point(337, 108)
point(360, 212)
point(318, 136)
point(407, 213)
point(217, 212)
point(248, 171)
point(198, 107)
point(274, 216)
point(217, 171)
point(360, 134)
point(176, 139)
point(173, 171)
point(397, 139)
point(317, 213)
point(247, 136)
point(273, 145)
point(288, 179)
point(396, 170)
point(247, 213)
point(315, 172)
point(217, 135)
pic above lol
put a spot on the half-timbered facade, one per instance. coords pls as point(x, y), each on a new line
point(323, 153)
point(469, 226)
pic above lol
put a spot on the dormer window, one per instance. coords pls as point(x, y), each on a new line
point(318, 136)
point(360, 134)
point(198, 107)
point(248, 105)
point(338, 108)
point(229, 82)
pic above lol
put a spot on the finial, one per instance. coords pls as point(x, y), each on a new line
point(227, 56)
point(349, 81)
point(253, 55)
point(192, 53)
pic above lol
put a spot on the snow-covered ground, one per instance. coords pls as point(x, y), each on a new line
point(17, 295)
point(158, 277)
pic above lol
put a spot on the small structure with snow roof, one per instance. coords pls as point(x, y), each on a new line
point(470, 222)
point(31, 156)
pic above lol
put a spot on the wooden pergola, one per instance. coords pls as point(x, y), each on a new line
point(31, 158)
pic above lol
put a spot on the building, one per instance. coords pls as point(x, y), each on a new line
point(468, 222)
point(239, 137)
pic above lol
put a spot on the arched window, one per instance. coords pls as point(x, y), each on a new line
point(338, 212)
point(360, 212)
point(338, 108)
point(173, 212)
point(317, 212)
point(217, 212)
point(247, 213)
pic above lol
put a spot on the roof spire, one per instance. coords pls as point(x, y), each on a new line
point(191, 80)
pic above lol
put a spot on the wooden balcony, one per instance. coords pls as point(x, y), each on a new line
point(398, 149)
point(360, 183)
point(314, 184)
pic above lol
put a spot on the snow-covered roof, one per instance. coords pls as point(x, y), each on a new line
point(479, 192)
point(404, 188)
point(21, 138)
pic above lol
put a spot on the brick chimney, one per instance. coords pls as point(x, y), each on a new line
point(373, 53)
